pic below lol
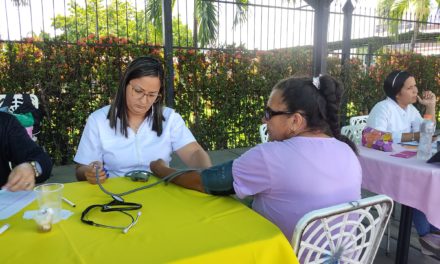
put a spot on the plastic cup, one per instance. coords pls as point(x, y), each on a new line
point(49, 197)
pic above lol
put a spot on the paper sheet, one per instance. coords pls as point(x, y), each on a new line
point(416, 143)
point(64, 215)
point(12, 202)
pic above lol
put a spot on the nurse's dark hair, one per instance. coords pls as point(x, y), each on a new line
point(140, 67)
point(394, 83)
point(320, 107)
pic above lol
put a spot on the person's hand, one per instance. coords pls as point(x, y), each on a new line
point(156, 166)
point(21, 178)
point(90, 172)
point(428, 98)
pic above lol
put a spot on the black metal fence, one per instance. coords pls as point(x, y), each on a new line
point(374, 33)
point(225, 56)
point(254, 25)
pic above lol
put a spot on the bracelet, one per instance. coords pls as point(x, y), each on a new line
point(34, 167)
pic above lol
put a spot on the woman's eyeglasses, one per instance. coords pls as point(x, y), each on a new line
point(139, 93)
point(269, 113)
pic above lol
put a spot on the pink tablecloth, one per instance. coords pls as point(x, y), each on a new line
point(410, 181)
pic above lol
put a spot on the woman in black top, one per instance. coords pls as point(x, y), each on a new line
point(32, 164)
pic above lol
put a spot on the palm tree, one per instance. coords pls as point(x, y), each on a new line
point(205, 21)
point(395, 9)
point(20, 2)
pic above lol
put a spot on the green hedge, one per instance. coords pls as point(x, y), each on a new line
point(221, 93)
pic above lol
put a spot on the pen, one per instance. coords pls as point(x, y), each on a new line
point(4, 228)
point(69, 202)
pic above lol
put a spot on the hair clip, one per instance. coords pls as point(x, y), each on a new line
point(315, 81)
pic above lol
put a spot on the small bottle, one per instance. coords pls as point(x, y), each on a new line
point(427, 128)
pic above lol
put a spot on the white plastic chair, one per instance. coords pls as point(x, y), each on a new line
point(357, 120)
point(353, 132)
point(346, 233)
point(263, 133)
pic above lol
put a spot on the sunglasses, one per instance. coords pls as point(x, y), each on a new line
point(269, 113)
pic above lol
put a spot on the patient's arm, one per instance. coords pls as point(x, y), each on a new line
point(190, 180)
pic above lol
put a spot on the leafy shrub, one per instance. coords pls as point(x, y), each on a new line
point(220, 93)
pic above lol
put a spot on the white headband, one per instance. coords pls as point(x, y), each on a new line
point(394, 80)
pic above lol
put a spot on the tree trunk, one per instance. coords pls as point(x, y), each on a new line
point(195, 22)
point(414, 37)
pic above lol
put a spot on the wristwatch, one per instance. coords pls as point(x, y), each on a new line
point(37, 168)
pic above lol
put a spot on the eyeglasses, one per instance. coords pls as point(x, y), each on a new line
point(139, 93)
point(113, 206)
point(269, 113)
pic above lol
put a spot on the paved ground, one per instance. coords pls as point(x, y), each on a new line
point(65, 174)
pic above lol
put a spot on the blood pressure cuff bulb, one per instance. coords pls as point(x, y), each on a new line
point(217, 180)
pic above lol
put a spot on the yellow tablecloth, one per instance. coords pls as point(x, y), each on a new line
point(176, 226)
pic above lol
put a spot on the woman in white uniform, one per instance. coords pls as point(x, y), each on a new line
point(136, 129)
point(397, 115)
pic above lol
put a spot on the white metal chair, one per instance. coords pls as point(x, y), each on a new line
point(357, 120)
point(353, 132)
point(346, 233)
point(263, 133)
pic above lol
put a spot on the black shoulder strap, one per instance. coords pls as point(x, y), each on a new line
point(8, 100)
point(27, 100)
point(27, 105)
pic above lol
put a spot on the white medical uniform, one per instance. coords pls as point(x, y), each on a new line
point(121, 154)
point(388, 116)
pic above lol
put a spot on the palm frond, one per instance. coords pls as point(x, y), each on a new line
point(384, 7)
point(422, 8)
point(154, 13)
point(393, 9)
point(206, 12)
point(20, 2)
point(241, 11)
point(399, 8)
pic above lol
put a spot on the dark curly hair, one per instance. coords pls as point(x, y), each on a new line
point(320, 107)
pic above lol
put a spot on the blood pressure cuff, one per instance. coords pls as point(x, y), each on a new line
point(218, 179)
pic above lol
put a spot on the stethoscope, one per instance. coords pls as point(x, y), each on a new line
point(119, 205)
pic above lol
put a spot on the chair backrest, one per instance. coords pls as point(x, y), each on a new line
point(353, 132)
point(17, 100)
point(263, 133)
point(346, 233)
point(357, 120)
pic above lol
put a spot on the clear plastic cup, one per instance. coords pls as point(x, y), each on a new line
point(49, 197)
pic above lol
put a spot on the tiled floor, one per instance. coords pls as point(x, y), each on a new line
point(66, 174)
point(414, 256)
